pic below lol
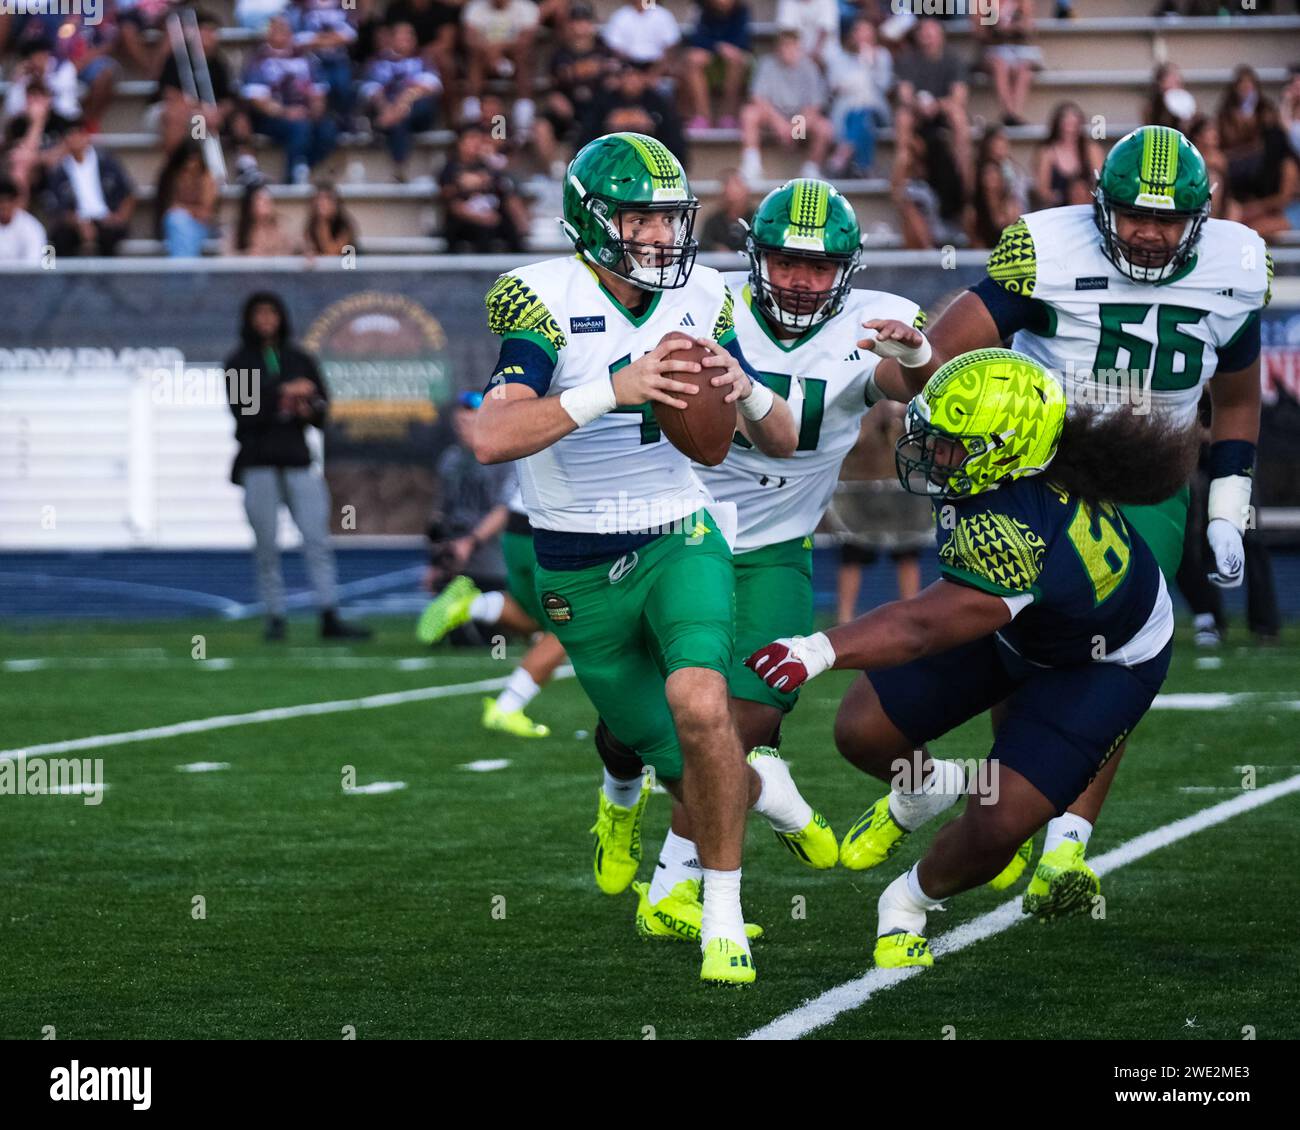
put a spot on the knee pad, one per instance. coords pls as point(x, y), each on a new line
point(621, 760)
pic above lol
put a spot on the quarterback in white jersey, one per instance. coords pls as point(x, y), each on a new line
point(632, 571)
point(1137, 303)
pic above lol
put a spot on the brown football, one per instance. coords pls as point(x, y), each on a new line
point(703, 430)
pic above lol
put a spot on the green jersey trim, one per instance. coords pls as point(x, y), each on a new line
point(536, 338)
point(975, 581)
point(1182, 272)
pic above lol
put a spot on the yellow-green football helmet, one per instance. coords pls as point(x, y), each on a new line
point(1003, 408)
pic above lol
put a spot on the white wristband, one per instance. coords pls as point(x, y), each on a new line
point(815, 652)
point(872, 393)
point(905, 355)
point(590, 401)
point(758, 403)
point(1230, 500)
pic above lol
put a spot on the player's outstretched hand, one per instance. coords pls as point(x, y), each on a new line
point(1229, 553)
point(728, 369)
point(786, 664)
point(652, 377)
point(896, 339)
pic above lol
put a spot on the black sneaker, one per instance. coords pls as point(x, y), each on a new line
point(332, 628)
point(275, 630)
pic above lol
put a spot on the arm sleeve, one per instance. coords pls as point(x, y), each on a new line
point(523, 362)
point(1008, 288)
point(733, 347)
point(1242, 348)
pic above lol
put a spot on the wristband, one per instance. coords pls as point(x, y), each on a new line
point(872, 393)
point(589, 401)
point(1230, 457)
point(758, 403)
point(905, 355)
point(818, 653)
point(1230, 500)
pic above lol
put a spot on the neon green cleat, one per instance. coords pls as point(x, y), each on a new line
point(726, 963)
point(1063, 884)
point(516, 722)
point(1013, 870)
point(901, 949)
point(447, 611)
point(873, 839)
point(618, 842)
point(815, 843)
point(678, 916)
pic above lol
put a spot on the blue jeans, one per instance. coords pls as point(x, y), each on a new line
point(399, 136)
point(305, 142)
point(860, 129)
point(337, 74)
point(183, 234)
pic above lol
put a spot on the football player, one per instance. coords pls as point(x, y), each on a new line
point(1135, 303)
point(798, 320)
point(644, 613)
point(1037, 563)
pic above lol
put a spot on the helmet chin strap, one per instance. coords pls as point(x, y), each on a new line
point(799, 323)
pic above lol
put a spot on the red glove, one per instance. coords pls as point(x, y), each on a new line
point(786, 664)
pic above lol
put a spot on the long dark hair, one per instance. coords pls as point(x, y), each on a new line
point(1123, 457)
point(187, 150)
point(1081, 142)
point(342, 221)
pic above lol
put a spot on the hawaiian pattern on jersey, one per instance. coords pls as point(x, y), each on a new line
point(1013, 263)
point(726, 322)
point(1268, 272)
point(918, 323)
point(995, 548)
point(514, 307)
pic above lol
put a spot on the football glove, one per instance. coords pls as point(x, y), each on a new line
point(786, 664)
point(1229, 555)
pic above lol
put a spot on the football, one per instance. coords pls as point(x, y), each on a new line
point(703, 430)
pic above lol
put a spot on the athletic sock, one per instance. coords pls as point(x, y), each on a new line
point(1203, 621)
point(625, 794)
point(487, 607)
point(722, 913)
point(939, 791)
point(1067, 827)
point(903, 906)
point(679, 860)
point(779, 799)
point(520, 690)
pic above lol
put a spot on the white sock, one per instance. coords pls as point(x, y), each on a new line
point(625, 794)
point(520, 690)
point(1067, 827)
point(679, 860)
point(939, 791)
point(1203, 620)
point(722, 914)
point(903, 906)
point(779, 799)
point(487, 607)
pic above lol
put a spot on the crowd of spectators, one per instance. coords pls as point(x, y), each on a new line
point(523, 83)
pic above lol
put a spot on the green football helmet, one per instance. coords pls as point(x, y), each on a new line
point(1004, 409)
point(1156, 171)
point(809, 219)
point(629, 172)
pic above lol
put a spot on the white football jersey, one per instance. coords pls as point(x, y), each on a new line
point(616, 474)
point(823, 375)
point(1156, 340)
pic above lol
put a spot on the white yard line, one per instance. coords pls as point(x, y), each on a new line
point(822, 1010)
point(274, 714)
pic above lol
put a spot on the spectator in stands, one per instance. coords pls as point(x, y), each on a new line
point(643, 32)
point(1289, 107)
point(500, 36)
point(483, 210)
point(1009, 55)
point(256, 15)
point(928, 191)
point(259, 231)
point(818, 25)
point(22, 237)
point(579, 69)
point(996, 146)
point(992, 208)
point(860, 78)
point(721, 37)
point(723, 229)
point(322, 28)
point(329, 229)
point(174, 112)
point(1170, 103)
point(186, 202)
point(1066, 160)
point(401, 95)
point(142, 41)
point(436, 24)
point(57, 78)
point(288, 101)
point(1240, 123)
point(273, 464)
point(630, 100)
point(89, 198)
point(931, 93)
point(1262, 167)
point(1204, 134)
point(89, 48)
point(786, 99)
point(24, 135)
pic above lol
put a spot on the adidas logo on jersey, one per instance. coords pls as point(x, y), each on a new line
point(856, 355)
point(687, 320)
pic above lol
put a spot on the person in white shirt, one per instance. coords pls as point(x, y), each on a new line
point(816, 21)
point(22, 237)
point(39, 68)
point(859, 77)
point(642, 32)
point(89, 198)
point(500, 35)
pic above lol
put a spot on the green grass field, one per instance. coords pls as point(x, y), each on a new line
point(326, 909)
